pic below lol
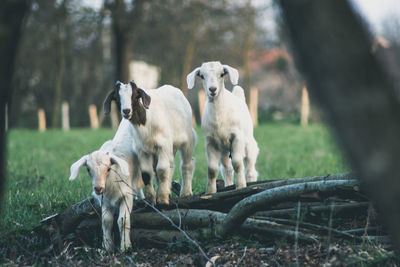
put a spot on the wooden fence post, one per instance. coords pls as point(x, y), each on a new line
point(193, 120)
point(94, 120)
point(65, 116)
point(253, 108)
point(202, 100)
point(305, 106)
point(114, 115)
point(42, 120)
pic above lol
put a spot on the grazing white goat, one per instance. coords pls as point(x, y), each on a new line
point(116, 179)
point(161, 128)
point(227, 126)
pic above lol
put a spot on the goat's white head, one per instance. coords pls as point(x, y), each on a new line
point(212, 75)
point(131, 101)
point(98, 165)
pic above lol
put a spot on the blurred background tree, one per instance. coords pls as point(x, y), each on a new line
point(74, 51)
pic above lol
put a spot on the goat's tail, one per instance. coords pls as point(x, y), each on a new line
point(239, 92)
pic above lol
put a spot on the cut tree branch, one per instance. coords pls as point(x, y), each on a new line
point(261, 201)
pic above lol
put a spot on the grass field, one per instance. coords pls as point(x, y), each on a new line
point(38, 166)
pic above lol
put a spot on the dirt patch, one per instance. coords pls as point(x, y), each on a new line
point(231, 252)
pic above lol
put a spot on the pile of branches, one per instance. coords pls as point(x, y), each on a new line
point(310, 210)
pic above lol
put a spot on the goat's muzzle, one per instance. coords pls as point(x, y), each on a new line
point(98, 190)
point(213, 90)
point(126, 113)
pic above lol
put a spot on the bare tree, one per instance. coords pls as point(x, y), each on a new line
point(62, 12)
point(125, 20)
point(12, 13)
point(333, 50)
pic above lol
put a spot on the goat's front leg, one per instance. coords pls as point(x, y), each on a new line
point(213, 155)
point(124, 222)
point(107, 220)
point(164, 175)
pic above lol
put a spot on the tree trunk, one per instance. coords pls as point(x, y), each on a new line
point(333, 50)
point(55, 119)
point(124, 25)
point(12, 13)
point(124, 48)
point(246, 54)
point(187, 61)
point(58, 83)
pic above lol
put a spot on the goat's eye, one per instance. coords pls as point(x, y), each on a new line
point(109, 169)
point(201, 76)
point(222, 74)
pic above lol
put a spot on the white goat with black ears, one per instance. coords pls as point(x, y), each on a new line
point(227, 126)
point(116, 179)
point(161, 128)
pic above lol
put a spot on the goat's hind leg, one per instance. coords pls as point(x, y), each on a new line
point(238, 154)
point(251, 158)
point(164, 176)
point(146, 166)
point(226, 169)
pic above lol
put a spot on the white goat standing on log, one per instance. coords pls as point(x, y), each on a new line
point(161, 128)
point(227, 126)
point(116, 179)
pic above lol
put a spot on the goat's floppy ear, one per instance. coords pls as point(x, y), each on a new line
point(76, 166)
point(121, 163)
point(146, 99)
point(233, 74)
point(107, 102)
point(190, 78)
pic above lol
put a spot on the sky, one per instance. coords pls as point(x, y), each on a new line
point(375, 11)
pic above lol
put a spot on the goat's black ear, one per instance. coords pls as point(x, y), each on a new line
point(133, 84)
point(146, 99)
point(107, 102)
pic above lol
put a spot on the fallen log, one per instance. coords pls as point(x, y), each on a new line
point(320, 229)
point(195, 219)
point(225, 200)
point(316, 208)
point(200, 215)
point(260, 201)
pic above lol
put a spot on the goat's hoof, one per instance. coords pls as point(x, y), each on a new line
point(211, 190)
point(151, 199)
point(241, 185)
point(185, 194)
point(163, 201)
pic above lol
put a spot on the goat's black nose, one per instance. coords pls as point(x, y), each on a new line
point(98, 190)
point(126, 111)
point(212, 89)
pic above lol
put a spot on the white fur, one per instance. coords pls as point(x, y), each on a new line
point(168, 128)
point(122, 181)
point(227, 126)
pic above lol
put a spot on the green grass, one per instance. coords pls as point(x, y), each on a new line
point(38, 166)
